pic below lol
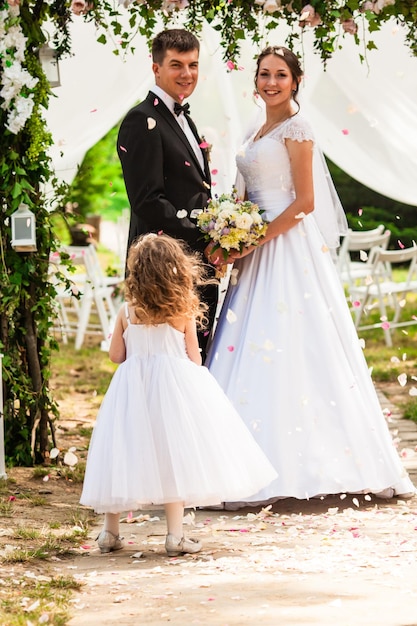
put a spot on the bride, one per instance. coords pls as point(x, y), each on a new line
point(285, 349)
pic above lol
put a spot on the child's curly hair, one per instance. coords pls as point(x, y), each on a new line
point(162, 280)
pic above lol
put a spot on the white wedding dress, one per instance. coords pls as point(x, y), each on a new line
point(287, 354)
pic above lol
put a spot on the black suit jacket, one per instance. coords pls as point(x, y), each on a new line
point(162, 173)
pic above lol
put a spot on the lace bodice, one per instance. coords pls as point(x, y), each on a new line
point(265, 166)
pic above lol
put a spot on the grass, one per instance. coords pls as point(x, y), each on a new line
point(31, 599)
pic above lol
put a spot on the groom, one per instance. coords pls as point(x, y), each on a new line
point(165, 169)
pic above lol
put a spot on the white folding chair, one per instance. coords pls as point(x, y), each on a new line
point(385, 293)
point(91, 292)
point(359, 241)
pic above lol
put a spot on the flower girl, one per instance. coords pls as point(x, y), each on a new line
point(166, 435)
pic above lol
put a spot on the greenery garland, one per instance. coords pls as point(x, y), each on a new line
point(27, 296)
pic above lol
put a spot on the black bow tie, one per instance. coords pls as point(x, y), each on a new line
point(181, 107)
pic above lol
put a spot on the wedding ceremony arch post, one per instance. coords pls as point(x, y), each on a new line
point(27, 175)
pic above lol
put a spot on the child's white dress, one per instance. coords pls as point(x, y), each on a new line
point(166, 432)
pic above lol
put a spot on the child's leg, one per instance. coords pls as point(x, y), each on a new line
point(108, 539)
point(174, 513)
point(111, 522)
point(175, 542)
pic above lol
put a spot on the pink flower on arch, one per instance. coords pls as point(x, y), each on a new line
point(309, 17)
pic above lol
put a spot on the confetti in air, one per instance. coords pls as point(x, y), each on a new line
point(402, 379)
point(181, 213)
point(151, 123)
point(345, 131)
point(231, 316)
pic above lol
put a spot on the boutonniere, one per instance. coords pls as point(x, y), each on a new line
point(206, 147)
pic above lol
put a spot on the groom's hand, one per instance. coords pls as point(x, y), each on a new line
point(216, 258)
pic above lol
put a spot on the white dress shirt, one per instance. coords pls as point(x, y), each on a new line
point(182, 121)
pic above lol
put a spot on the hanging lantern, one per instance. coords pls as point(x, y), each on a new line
point(49, 62)
point(23, 230)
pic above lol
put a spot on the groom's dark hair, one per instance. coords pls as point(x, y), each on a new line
point(173, 39)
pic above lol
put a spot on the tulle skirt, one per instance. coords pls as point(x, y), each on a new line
point(167, 433)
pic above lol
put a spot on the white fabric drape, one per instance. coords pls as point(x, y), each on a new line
point(365, 119)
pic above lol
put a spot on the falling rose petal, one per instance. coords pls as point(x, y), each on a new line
point(402, 379)
point(156, 102)
point(233, 276)
point(70, 459)
point(214, 172)
point(230, 348)
point(53, 453)
point(181, 213)
point(231, 316)
point(12, 498)
point(401, 245)
point(345, 131)
point(122, 148)
point(45, 478)
point(151, 123)
point(413, 391)
point(204, 145)
point(187, 163)
point(93, 111)
point(230, 65)
point(360, 211)
point(385, 325)
point(181, 96)
point(356, 304)
point(160, 232)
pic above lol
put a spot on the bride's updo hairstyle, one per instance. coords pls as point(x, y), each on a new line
point(290, 59)
point(162, 280)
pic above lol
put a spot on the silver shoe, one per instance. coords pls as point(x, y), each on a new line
point(174, 546)
point(108, 541)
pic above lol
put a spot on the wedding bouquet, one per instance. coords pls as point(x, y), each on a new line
point(231, 223)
